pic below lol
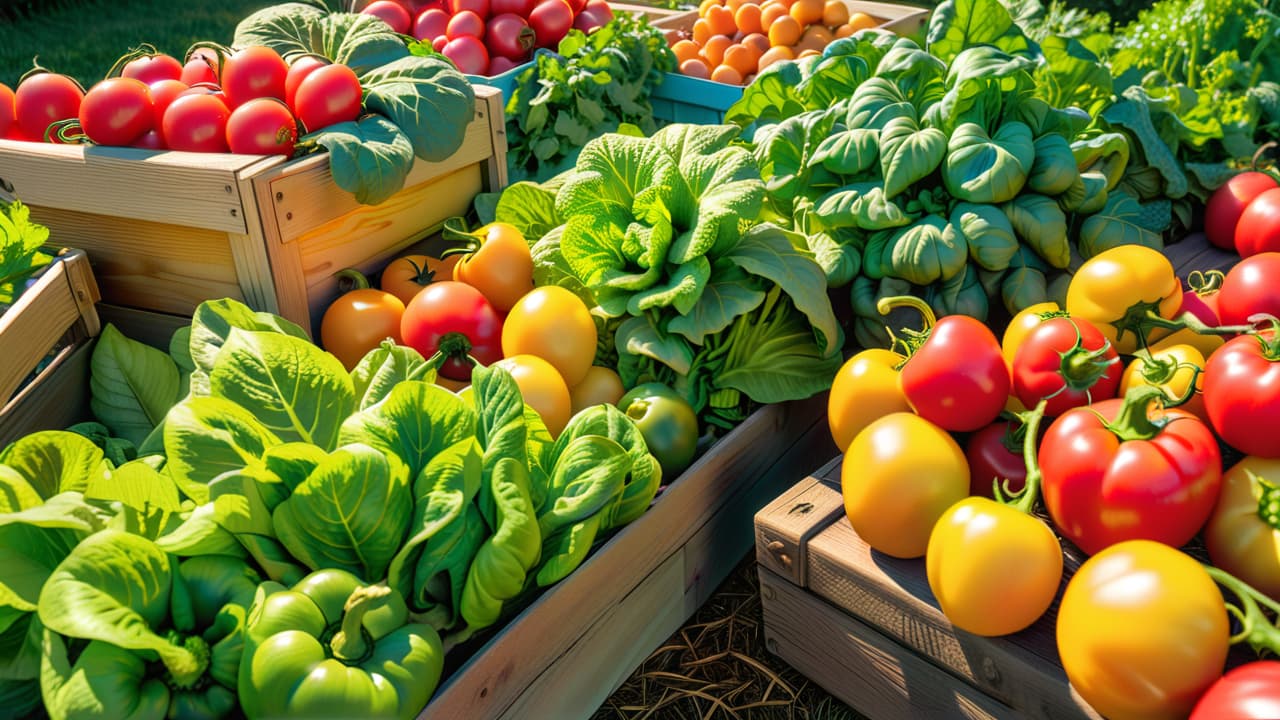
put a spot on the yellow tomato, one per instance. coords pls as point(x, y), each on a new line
point(866, 389)
point(600, 386)
point(1115, 290)
point(554, 324)
point(994, 569)
point(899, 475)
point(1182, 357)
point(1022, 324)
point(1206, 344)
point(1142, 631)
point(1240, 541)
point(542, 389)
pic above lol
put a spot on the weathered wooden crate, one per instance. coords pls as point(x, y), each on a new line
point(54, 318)
point(168, 230)
point(567, 652)
point(866, 626)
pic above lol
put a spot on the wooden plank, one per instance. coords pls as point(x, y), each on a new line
point(33, 325)
point(497, 676)
point(154, 329)
point(893, 596)
point(158, 266)
point(495, 169)
point(126, 182)
point(582, 678)
point(55, 400)
point(852, 661)
point(784, 527)
point(84, 288)
point(369, 238)
point(305, 198)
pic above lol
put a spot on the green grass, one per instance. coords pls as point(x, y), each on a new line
point(83, 38)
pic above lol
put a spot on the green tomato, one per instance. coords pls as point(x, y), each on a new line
point(667, 422)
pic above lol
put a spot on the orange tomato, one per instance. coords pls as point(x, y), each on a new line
point(701, 31)
point(862, 21)
point(770, 13)
point(358, 322)
point(773, 55)
point(720, 19)
point(759, 42)
point(695, 68)
point(500, 268)
point(685, 50)
point(601, 386)
point(786, 30)
point(808, 53)
point(835, 13)
point(727, 75)
point(734, 5)
point(747, 18)
point(807, 12)
point(408, 274)
point(706, 5)
point(542, 389)
point(714, 49)
point(815, 38)
point(742, 59)
point(845, 31)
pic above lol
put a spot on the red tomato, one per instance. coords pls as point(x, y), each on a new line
point(262, 126)
point(201, 67)
point(515, 7)
point(509, 36)
point(957, 379)
point(43, 99)
point(1259, 227)
point(391, 13)
point(197, 123)
point(328, 96)
point(6, 109)
point(499, 65)
point(597, 13)
point(1113, 473)
point(446, 312)
point(1242, 394)
point(117, 111)
point(206, 91)
point(151, 140)
point(551, 20)
point(465, 24)
point(1222, 212)
point(153, 68)
point(431, 24)
point(1249, 288)
point(253, 72)
point(163, 93)
point(1248, 692)
point(439, 44)
point(479, 7)
point(298, 71)
point(1202, 304)
point(993, 454)
point(468, 53)
point(1067, 361)
point(578, 6)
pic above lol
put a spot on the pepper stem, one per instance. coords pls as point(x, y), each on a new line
point(1025, 499)
point(1255, 628)
point(1133, 422)
point(352, 644)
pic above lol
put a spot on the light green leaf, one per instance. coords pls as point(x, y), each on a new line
point(529, 207)
point(638, 336)
point(212, 324)
point(1040, 223)
point(848, 152)
point(293, 387)
point(644, 474)
point(416, 421)
point(138, 485)
point(351, 513)
point(500, 427)
point(729, 293)
point(986, 232)
point(927, 252)
point(381, 369)
point(587, 475)
point(132, 385)
point(959, 24)
point(498, 572)
point(207, 436)
point(681, 290)
point(55, 461)
point(198, 533)
point(776, 358)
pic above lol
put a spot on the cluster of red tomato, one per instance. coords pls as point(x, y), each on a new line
point(250, 102)
point(1126, 479)
point(481, 305)
point(489, 37)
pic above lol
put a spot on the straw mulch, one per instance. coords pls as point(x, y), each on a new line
point(717, 668)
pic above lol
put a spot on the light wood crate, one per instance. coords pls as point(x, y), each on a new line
point(566, 653)
point(56, 314)
point(167, 230)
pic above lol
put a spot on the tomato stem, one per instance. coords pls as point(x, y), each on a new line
point(1025, 499)
point(1082, 368)
point(1133, 421)
point(1268, 499)
point(911, 340)
point(1205, 282)
point(351, 279)
point(68, 132)
point(1256, 628)
point(1188, 321)
point(141, 51)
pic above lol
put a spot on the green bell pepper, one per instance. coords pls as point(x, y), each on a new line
point(333, 647)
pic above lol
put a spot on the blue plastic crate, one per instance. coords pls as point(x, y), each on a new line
point(684, 99)
point(506, 82)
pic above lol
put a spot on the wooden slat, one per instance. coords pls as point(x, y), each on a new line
point(151, 328)
point(784, 527)
point(490, 104)
point(32, 326)
point(84, 288)
point(304, 196)
point(158, 266)
point(56, 399)
point(854, 662)
point(502, 671)
point(199, 188)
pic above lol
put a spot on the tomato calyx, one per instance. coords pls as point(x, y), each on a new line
point(1133, 421)
point(1082, 368)
point(1268, 499)
point(1256, 629)
point(1162, 371)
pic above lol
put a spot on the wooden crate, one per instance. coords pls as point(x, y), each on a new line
point(54, 317)
point(567, 652)
point(168, 230)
